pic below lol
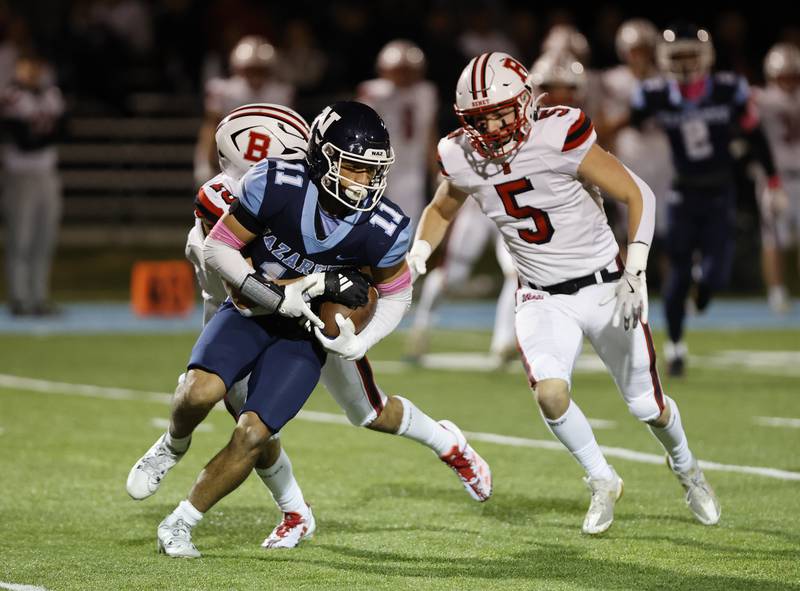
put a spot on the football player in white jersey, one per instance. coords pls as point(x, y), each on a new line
point(351, 383)
point(644, 150)
point(524, 166)
point(779, 108)
point(408, 104)
point(252, 80)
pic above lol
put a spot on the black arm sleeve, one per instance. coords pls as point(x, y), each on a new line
point(247, 219)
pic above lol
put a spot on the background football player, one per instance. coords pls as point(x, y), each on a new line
point(252, 64)
point(408, 105)
point(701, 114)
point(779, 109)
point(526, 168)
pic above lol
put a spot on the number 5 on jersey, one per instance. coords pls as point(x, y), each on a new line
point(542, 231)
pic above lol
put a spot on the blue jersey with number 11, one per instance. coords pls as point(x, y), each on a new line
point(279, 203)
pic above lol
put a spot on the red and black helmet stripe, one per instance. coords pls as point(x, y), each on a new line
point(479, 75)
point(578, 133)
point(283, 115)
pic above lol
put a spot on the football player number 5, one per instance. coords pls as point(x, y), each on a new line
point(542, 231)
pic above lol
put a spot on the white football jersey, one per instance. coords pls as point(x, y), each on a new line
point(409, 114)
point(552, 227)
point(223, 95)
point(780, 118)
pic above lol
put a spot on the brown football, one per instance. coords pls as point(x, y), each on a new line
point(360, 316)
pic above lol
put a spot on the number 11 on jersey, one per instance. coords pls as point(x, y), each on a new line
point(542, 231)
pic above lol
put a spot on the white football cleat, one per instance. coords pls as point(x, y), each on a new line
point(471, 469)
point(175, 539)
point(293, 529)
point(605, 494)
point(147, 473)
point(700, 497)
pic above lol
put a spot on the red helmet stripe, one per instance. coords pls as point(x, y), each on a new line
point(483, 76)
point(304, 132)
point(474, 81)
point(269, 107)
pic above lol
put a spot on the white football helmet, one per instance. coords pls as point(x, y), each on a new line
point(253, 132)
point(635, 32)
point(491, 84)
point(559, 69)
point(783, 59)
point(252, 51)
point(567, 39)
point(685, 52)
point(400, 53)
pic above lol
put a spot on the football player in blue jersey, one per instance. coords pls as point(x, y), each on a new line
point(307, 228)
point(702, 113)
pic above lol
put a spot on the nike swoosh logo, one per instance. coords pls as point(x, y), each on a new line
point(629, 285)
point(341, 258)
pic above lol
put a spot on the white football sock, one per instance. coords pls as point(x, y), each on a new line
point(177, 444)
point(186, 511)
point(673, 438)
point(573, 430)
point(418, 426)
point(281, 482)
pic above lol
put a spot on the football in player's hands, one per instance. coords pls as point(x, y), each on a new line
point(360, 316)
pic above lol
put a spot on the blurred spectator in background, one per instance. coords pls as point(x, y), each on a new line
point(31, 108)
point(779, 108)
point(252, 63)
point(408, 104)
point(8, 49)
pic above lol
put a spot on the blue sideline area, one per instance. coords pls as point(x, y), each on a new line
point(115, 317)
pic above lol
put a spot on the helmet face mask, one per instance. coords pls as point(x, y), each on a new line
point(493, 103)
point(495, 131)
point(357, 182)
point(350, 154)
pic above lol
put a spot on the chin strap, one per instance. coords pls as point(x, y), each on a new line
point(535, 106)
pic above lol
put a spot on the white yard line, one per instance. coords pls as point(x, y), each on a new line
point(16, 587)
point(777, 422)
point(44, 386)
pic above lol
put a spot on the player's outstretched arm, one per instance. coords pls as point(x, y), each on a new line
point(433, 225)
point(620, 183)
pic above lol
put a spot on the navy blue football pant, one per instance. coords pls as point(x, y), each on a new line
point(283, 370)
point(700, 220)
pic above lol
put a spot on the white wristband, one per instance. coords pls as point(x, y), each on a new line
point(636, 261)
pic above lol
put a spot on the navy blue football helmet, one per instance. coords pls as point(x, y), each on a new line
point(685, 52)
point(350, 135)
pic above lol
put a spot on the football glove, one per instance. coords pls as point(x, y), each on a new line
point(631, 305)
point(349, 287)
point(417, 258)
point(287, 300)
point(347, 345)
